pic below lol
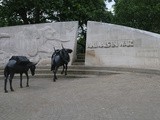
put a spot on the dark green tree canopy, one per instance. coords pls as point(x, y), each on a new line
point(141, 14)
point(14, 12)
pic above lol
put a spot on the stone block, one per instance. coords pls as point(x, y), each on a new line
point(118, 46)
point(37, 41)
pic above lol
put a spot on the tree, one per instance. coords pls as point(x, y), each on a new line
point(38, 11)
point(17, 12)
point(141, 14)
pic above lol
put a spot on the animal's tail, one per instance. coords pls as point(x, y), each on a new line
point(5, 71)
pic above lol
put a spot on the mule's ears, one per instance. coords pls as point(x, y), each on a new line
point(69, 50)
point(35, 63)
point(62, 46)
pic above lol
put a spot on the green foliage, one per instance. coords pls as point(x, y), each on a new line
point(26, 11)
point(16, 12)
point(141, 14)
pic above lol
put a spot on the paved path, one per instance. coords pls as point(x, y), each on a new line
point(126, 96)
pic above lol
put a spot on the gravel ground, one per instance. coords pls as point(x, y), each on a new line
point(126, 96)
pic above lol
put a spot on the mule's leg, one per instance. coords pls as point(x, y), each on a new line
point(10, 81)
point(66, 67)
point(55, 71)
point(54, 76)
point(21, 80)
point(27, 84)
point(63, 69)
point(5, 84)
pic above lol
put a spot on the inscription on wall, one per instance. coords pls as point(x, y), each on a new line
point(111, 44)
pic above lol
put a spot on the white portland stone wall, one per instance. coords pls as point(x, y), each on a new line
point(37, 41)
point(119, 46)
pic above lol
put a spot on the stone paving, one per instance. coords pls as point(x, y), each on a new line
point(126, 96)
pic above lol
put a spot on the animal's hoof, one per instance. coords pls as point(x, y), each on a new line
point(54, 80)
point(12, 90)
point(27, 85)
point(21, 86)
point(6, 91)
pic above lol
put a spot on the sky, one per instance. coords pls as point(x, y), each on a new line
point(109, 5)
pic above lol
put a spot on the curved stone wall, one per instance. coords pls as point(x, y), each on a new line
point(119, 46)
point(37, 41)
